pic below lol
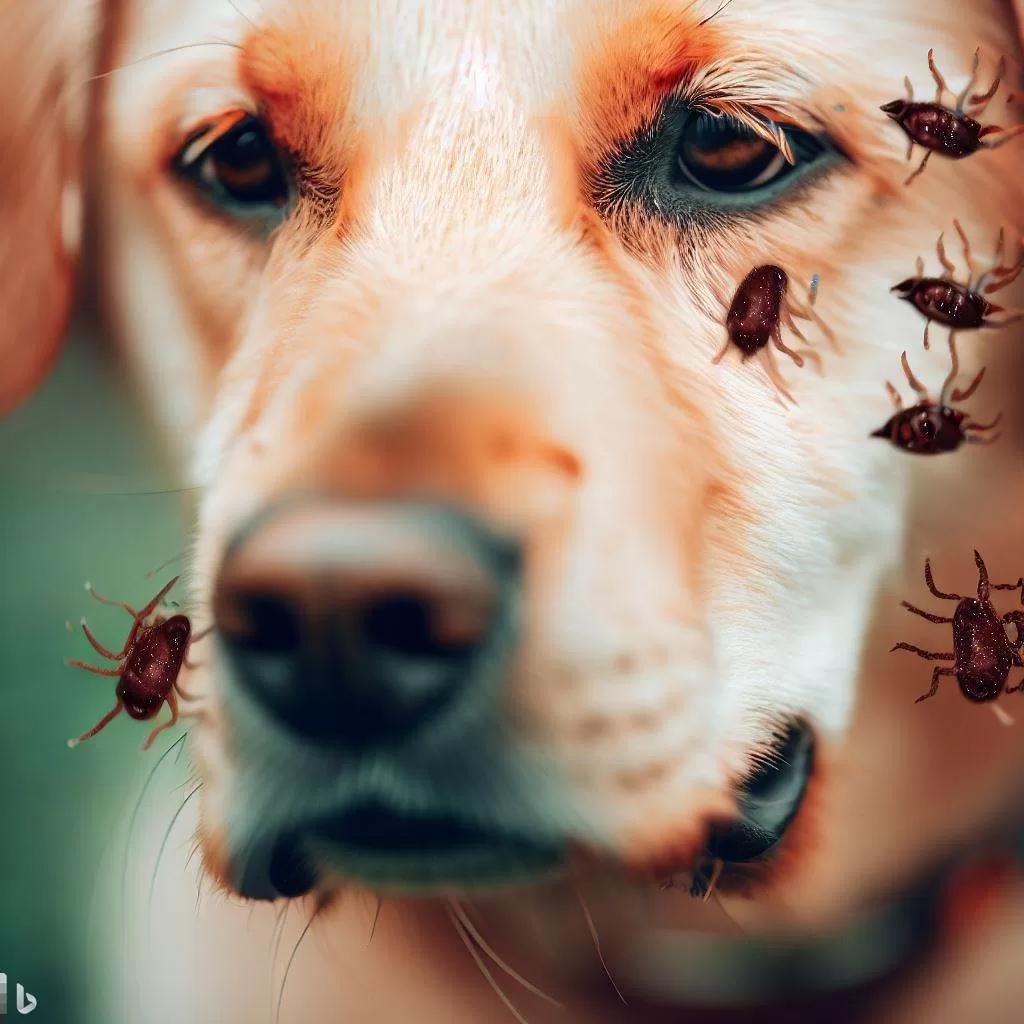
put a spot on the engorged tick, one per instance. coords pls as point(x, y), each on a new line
point(955, 133)
point(983, 654)
point(150, 662)
point(756, 314)
point(930, 428)
point(961, 307)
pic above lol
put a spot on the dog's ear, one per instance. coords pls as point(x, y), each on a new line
point(45, 65)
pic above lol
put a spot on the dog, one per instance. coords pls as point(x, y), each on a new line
point(523, 604)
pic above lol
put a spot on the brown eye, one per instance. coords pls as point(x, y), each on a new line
point(236, 165)
point(721, 155)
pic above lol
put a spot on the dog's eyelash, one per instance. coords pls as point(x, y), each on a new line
point(738, 91)
point(206, 134)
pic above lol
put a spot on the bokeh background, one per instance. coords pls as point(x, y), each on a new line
point(83, 497)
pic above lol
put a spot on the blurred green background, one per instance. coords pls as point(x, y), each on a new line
point(78, 470)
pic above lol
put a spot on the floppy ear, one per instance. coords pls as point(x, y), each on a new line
point(44, 71)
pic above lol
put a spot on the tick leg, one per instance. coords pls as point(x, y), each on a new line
point(960, 396)
point(919, 266)
point(968, 256)
point(1008, 134)
point(930, 583)
point(970, 439)
point(962, 96)
point(1012, 319)
point(895, 396)
point(927, 343)
point(920, 170)
point(937, 75)
point(981, 100)
point(997, 269)
point(940, 248)
point(936, 676)
point(1015, 619)
point(987, 426)
point(156, 600)
point(182, 692)
point(1006, 275)
point(722, 351)
point(912, 380)
point(808, 313)
point(910, 88)
point(99, 648)
point(783, 347)
point(927, 655)
point(112, 672)
point(105, 600)
point(172, 701)
point(787, 319)
point(772, 370)
point(925, 615)
point(954, 370)
point(910, 149)
point(101, 724)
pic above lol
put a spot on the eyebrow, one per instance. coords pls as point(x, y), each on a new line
point(761, 93)
point(671, 52)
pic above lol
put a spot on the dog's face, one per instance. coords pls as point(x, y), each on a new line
point(507, 570)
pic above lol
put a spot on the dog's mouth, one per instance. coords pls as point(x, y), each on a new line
point(769, 801)
point(402, 851)
point(410, 851)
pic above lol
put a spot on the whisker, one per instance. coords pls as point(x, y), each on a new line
point(498, 961)
point(161, 53)
point(471, 949)
point(276, 938)
point(291, 960)
point(592, 928)
point(160, 854)
point(376, 917)
point(133, 821)
point(711, 17)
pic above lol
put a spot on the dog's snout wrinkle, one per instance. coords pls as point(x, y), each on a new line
point(357, 625)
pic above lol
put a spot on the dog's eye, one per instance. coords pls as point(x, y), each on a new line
point(718, 154)
point(236, 165)
point(693, 166)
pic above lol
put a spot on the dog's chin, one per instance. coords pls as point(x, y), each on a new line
point(392, 852)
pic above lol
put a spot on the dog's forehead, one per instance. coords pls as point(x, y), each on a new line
point(393, 53)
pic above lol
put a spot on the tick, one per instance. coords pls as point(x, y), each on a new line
point(961, 307)
point(150, 662)
point(930, 427)
point(983, 654)
point(955, 133)
point(758, 310)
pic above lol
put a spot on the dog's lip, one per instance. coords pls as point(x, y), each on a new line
point(391, 849)
point(769, 801)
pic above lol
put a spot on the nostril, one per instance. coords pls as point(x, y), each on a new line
point(411, 626)
point(271, 625)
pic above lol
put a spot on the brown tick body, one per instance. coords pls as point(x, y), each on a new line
point(983, 655)
point(756, 314)
point(150, 662)
point(954, 132)
point(961, 307)
point(930, 427)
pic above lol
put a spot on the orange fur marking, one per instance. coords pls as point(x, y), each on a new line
point(300, 76)
point(625, 77)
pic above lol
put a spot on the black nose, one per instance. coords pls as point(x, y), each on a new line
point(362, 624)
